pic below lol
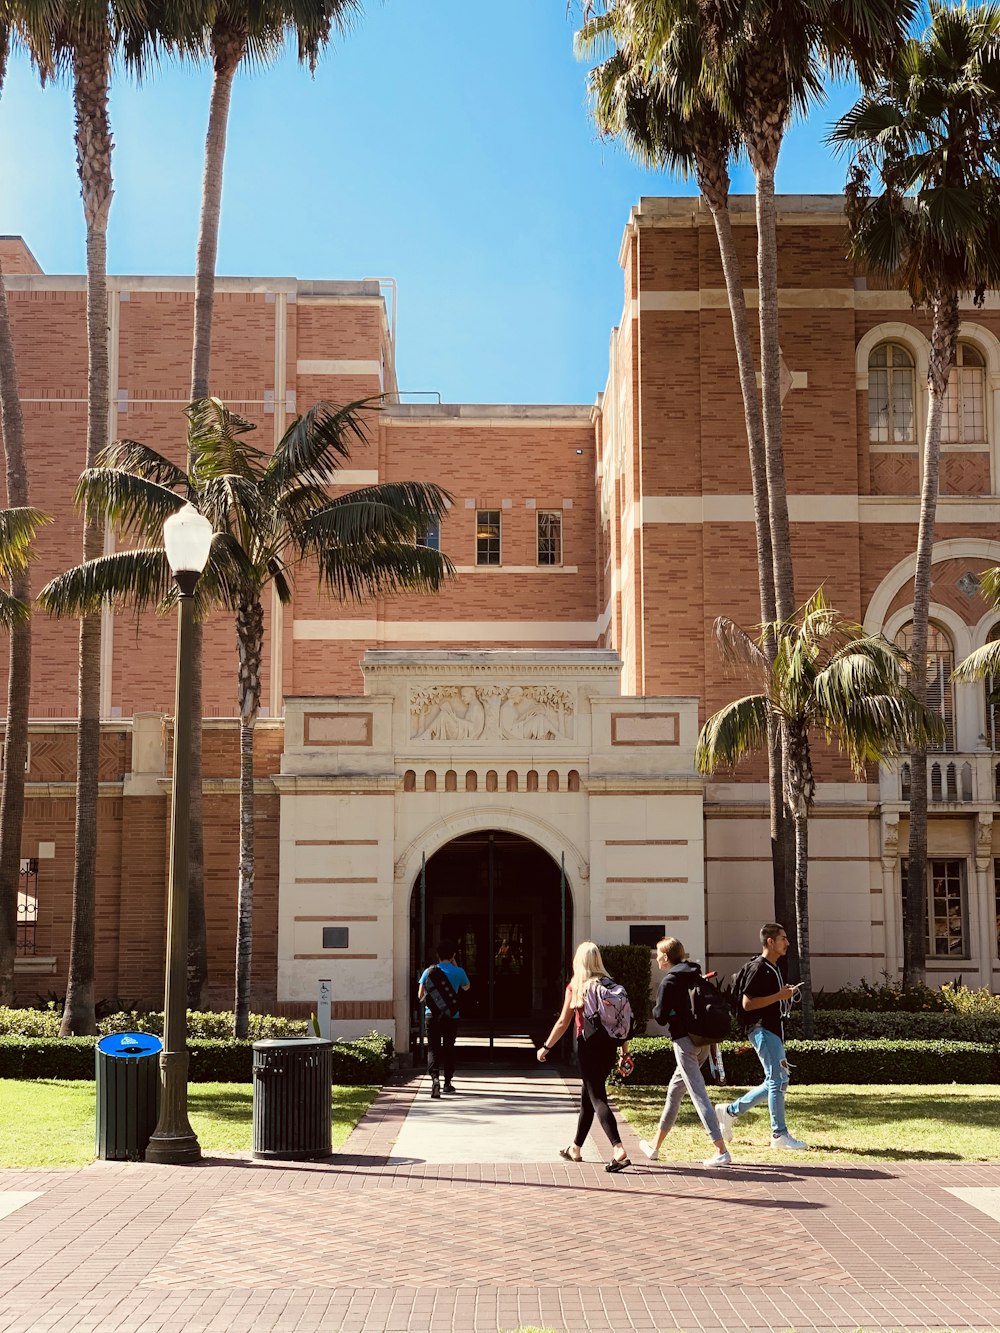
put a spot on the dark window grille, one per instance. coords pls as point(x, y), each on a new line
point(27, 907)
point(488, 537)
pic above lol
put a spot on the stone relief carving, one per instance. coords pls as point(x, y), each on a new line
point(491, 713)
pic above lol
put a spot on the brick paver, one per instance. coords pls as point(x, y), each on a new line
point(371, 1242)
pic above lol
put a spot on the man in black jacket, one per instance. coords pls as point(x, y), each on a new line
point(671, 1010)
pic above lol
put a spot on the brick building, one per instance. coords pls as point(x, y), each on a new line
point(526, 737)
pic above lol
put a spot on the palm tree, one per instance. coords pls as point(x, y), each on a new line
point(234, 34)
point(668, 117)
point(18, 526)
point(924, 139)
point(827, 676)
point(270, 514)
point(19, 666)
point(783, 49)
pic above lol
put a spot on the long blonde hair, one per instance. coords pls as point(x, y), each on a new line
point(588, 966)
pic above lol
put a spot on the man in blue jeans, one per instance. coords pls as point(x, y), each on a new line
point(766, 1003)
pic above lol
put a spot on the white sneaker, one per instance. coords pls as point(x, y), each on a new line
point(649, 1151)
point(720, 1159)
point(786, 1141)
point(726, 1122)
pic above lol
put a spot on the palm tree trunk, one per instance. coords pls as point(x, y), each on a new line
point(765, 568)
point(91, 78)
point(19, 670)
point(226, 63)
point(250, 639)
point(802, 914)
point(944, 342)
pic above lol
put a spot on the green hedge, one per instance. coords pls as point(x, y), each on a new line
point(365, 1061)
point(857, 1025)
point(207, 1026)
point(630, 964)
point(886, 997)
point(835, 1061)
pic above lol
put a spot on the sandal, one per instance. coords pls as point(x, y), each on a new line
point(568, 1156)
point(614, 1166)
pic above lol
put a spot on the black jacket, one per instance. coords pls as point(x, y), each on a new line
point(671, 1008)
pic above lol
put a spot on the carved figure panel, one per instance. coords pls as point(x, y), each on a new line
point(478, 713)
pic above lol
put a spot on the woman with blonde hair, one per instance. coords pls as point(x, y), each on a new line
point(597, 1055)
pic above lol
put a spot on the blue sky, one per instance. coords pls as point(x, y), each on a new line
point(446, 145)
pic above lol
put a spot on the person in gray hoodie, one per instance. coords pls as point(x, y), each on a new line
point(670, 1011)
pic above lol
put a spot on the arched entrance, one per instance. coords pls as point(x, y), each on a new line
point(507, 905)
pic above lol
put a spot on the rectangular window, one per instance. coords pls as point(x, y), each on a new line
point(947, 908)
point(431, 538)
point(27, 907)
point(650, 935)
point(488, 537)
point(996, 902)
point(550, 537)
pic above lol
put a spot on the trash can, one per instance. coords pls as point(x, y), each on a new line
point(292, 1098)
point(128, 1094)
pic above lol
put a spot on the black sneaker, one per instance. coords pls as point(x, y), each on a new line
point(435, 1089)
point(450, 1089)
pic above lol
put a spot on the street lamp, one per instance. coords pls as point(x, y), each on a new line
point(187, 536)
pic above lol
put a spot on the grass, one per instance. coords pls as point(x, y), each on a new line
point(50, 1122)
point(842, 1123)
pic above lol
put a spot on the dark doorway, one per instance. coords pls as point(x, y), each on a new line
point(507, 905)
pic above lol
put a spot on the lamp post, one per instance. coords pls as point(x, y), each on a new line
point(187, 536)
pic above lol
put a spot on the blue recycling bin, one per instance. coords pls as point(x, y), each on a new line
point(128, 1094)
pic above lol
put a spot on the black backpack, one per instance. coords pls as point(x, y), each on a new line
point(735, 987)
point(709, 1014)
point(440, 995)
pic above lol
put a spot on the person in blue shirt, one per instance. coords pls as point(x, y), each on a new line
point(442, 1024)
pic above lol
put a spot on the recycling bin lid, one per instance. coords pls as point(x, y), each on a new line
point(289, 1043)
point(130, 1043)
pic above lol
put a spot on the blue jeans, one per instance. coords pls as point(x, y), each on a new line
point(771, 1053)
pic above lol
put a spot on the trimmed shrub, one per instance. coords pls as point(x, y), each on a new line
point(630, 964)
point(206, 1026)
point(367, 1060)
point(833, 1061)
point(888, 998)
point(857, 1025)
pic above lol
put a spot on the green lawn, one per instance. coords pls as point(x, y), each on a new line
point(949, 1122)
point(50, 1122)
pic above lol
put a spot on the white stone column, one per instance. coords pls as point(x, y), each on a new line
point(982, 920)
point(890, 856)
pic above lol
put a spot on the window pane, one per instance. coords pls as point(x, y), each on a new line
point(549, 537)
point(973, 384)
point(488, 537)
point(940, 665)
point(996, 900)
point(878, 406)
point(431, 538)
point(902, 404)
point(947, 933)
point(950, 432)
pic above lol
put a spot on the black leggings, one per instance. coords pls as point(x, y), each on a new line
point(597, 1059)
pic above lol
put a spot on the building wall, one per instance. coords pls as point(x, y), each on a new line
point(653, 487)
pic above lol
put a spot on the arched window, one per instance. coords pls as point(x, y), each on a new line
point(992, 687)
point(430, 780)
point(940, 665)
point(512, 780)
point(891, 391)
point(964, 420)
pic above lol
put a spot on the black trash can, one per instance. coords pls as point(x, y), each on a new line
point(292, 1098)
point(128, 1094)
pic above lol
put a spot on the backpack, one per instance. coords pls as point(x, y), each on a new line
point(735, 987)
point(709, 1014)
point(606, 1006)
point(440, 995)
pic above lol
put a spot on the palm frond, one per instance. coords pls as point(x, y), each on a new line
point(140, 579)
point(391, 512)
point(738, 648)
point(12, 610)
point(136, 506)
point(317, 443)
point(979, 664)
point(18, 527)
point(382, 570)
point(141, 461)
point(733, 733)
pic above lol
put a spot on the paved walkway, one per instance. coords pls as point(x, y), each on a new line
point(411, 1230)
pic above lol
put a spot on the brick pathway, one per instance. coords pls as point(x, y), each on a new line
point(369, 1243)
